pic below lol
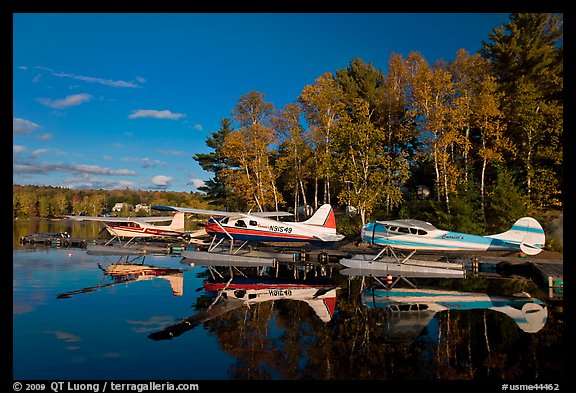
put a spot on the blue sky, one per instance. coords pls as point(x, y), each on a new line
point(114, 101)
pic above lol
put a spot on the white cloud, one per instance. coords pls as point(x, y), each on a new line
point(21, 126)
point(161, 180)
point(44, 137)
point(165, 114)
point(37, 152)
point(22, 167)
point(90, 79)
point(172, 152)
point(89, 182)
point(72, 100)
point(16, 149)
point(197, 183)
point(198, 127)
point(104, 171)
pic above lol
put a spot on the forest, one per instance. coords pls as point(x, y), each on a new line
point(483, 133)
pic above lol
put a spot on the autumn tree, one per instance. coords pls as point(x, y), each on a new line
point(483, 126)
point(393, 119)
point(61, 203)
point(438, 120)
point(363, 164)
point(488, 120)
point(25, 204)
point(45, 207)
point(294, 153)
point(322, 104)
point(253, 180)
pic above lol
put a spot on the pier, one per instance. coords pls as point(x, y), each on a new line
point(60, 239)
point(545, 269)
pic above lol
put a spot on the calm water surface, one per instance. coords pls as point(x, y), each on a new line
point(81, 316)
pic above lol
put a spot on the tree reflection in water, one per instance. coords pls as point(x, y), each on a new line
point(284, 338)
point(280, 338)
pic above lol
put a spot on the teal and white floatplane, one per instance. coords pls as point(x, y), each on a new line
point(409, 235)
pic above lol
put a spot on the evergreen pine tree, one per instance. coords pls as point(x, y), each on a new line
point(215, 189)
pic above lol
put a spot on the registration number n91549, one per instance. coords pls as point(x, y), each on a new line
point(281, 229)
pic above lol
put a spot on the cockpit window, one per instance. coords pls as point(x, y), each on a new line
point(403, 230)
point(422, 232)
point(241, 224)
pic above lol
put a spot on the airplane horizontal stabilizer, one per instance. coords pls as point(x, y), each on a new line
point(529, 249)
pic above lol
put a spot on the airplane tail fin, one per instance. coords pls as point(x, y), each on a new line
point(177, 223)
point(528, 233)
point(323, 217)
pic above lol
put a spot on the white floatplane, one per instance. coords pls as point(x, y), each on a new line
point(259, 227)
point(526, 236)
point(142, 227)
point(128, 270)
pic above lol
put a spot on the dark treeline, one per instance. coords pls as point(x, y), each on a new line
point(483, 133)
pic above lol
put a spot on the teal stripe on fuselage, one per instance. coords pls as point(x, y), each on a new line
point(385, 293)
point(468, 301)
point(458, 240)
point(527, 229)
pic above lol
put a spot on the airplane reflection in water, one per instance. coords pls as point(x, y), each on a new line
point(239, 290)
point(127, 270)
point(410, 310)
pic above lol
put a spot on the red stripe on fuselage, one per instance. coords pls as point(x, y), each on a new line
point(216, 286)
point(214, 229)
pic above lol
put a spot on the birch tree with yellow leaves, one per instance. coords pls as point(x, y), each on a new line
point(294, 153)
point(439, 121)
point(253, 181)
point(363, 163)
point(322, 104)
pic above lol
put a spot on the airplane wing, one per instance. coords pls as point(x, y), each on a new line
point(218, 212)
point(271, 214)
point(218, 309)
point(118, 219)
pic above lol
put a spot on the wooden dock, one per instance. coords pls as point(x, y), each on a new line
point(60, 239)
point(550, 276)
point(547, 271)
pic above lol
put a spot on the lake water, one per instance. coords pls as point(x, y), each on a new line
point(78, 316)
